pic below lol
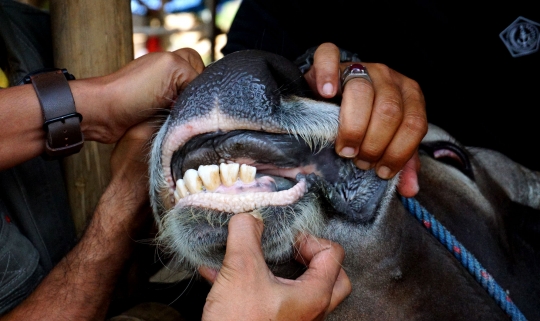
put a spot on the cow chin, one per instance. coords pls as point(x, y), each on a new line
point(196, 236)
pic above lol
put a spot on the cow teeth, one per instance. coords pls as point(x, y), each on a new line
point(181, 189)
point(209, 175)
point(193, 181)
point(247, 173)
point(229, 173)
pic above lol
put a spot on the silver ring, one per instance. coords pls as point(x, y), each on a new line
point(355, 70)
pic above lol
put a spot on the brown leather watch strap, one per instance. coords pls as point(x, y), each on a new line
point(62, 123)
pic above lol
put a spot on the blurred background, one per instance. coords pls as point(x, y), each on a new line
point(166, 25)
point(172, 24)
point(95, 38)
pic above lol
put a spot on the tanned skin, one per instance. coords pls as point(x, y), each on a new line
point(115, 109)
point(80, 287)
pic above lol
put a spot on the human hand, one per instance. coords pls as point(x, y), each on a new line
point(142, 88)
point(381, 123)
point(129, 174)
point(245, 289)
point(129, 156)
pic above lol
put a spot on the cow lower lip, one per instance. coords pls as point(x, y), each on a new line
point(244, 202)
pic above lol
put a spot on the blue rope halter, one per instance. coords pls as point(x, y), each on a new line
point(465, 257)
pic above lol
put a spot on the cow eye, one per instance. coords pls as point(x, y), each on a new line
point(451, 154)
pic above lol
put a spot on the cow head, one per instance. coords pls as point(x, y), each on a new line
point(248, 136)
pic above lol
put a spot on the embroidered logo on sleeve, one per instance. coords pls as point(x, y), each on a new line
point(522, 37)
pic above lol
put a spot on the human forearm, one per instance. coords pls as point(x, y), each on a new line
point(21, 119)
point(110, 104)
point(81, 285)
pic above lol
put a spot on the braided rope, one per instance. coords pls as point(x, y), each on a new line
point(465, 257)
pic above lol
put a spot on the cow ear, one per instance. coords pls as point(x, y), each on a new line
point(521, 184)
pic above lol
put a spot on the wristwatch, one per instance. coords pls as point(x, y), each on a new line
point(61, 121)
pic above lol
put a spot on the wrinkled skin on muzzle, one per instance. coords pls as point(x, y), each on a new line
point(252, 110)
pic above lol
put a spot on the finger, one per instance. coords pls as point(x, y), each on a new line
point(323, 258)
point(133, 146)
point(184, 74)
point(408, 180)
point(342, 289)
point(208, 273)
point(192, 56)
point(408, 136)
point(244, 230)
point(324, 281)
point(386, 116)
point(354, 116)
point(142, 132)
point(326, 69)
point(244, 251)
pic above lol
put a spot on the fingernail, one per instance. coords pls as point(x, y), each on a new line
point(384, 172)
point(256, 214)
point(348, 152)
point(415, 188)
point(363, 165)
point(328, 89)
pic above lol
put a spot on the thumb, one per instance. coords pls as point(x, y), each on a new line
point(243, 252)
point(245, 232)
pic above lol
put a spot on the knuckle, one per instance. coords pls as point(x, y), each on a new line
point(390, 109)
point(412, 85)
point(370, 152)
point(413, 92)
point(393, 159)
point(381, 69)
point(190, 51)
point(379, 66)
point(169, 59)
point(416, 124)
point(337, 251)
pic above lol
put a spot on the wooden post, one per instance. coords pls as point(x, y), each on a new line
point(90, 38)
point(212, 5)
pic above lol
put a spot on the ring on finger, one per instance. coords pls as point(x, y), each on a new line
point(352, 71)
